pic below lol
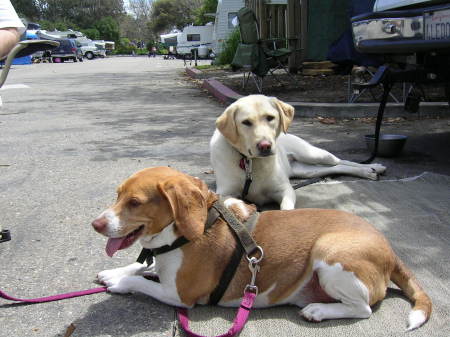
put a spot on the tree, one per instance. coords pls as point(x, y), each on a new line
point(92, 33)
point(169, 14)
point(108, 29)
point(208, 7)
point(139, 19)
point(29, 9)
point(83, 13)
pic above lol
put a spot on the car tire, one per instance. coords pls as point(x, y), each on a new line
point(89, 55)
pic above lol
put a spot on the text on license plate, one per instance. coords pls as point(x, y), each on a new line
point(437, 25)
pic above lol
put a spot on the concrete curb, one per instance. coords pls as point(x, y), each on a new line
point(339, 110)
point(194, 73)
point(220, 91)
point(351, 110)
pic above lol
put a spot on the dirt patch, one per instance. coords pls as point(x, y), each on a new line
point(317, 89)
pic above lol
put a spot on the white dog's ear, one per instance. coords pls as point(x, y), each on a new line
point(286, 112)
point(187, 200)
point(226, 124)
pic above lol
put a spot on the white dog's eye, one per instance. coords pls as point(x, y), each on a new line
point(247, 122)
point(270, 118)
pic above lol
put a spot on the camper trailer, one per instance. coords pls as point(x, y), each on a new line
point(192, 37)
point(223, 25)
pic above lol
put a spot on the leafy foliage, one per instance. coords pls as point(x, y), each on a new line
point(208, 7)
point(108, 28)
point(74, 14)
point(91, 33)
point(125, 47)
point(169, 14)
point(229, 47)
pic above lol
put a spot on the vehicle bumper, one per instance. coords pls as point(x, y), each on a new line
point(400, 31)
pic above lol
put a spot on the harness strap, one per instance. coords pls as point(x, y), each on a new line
point(233, 264)
point(240, 231)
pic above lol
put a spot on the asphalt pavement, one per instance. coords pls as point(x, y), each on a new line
point(71, 132)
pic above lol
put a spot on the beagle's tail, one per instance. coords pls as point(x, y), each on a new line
point(406, 281)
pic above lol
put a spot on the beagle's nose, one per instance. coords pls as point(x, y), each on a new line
point(264, 147)
point(99, 224)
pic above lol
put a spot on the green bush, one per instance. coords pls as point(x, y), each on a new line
point(125, 47)
point(143, 51)
point(229, 47)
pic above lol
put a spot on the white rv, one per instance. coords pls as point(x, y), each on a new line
point(223, 25)
point(192, 37)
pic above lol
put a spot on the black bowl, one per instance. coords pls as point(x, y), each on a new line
point(388, 145)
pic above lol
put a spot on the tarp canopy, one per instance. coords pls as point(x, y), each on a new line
point(343, 49)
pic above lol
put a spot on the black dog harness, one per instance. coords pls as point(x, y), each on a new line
point(245, 243)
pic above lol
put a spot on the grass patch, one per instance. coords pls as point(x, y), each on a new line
point(229, 47)
point(212, 67)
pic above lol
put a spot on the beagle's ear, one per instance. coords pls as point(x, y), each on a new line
point(286, 112)
point(188, 203)
point(226, 124)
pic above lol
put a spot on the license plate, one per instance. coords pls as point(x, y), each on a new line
point(437, 25)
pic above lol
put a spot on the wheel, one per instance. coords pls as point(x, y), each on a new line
point(80, 59)
point(89, 55)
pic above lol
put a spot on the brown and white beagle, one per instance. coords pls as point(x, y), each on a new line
point(331, 263)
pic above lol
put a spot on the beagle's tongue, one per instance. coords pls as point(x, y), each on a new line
point(113, 245)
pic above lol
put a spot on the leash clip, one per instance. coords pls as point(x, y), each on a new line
point(253, 265)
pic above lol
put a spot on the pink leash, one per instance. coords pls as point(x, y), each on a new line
point(55, 297)
point(239, 321)
point(238, 324)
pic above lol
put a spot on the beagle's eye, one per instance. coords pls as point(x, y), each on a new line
point(270, 118)
point(247, 122)
point(133, 203)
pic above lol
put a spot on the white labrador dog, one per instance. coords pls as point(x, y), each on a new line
point(251, 140)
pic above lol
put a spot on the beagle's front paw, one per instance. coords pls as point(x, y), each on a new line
point(120, 285)
point(132, 269)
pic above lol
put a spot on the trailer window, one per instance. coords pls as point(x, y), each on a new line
point(193, 37)
point(231, 17)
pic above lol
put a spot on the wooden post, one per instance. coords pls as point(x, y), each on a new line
point(303, 29)
point(262, 17)
point(293, 12)
point(281, 18)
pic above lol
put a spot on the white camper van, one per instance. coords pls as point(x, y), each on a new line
point(192, 37)
point(223, 25)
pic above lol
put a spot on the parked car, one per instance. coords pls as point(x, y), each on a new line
point(90, 49)
point(67, 50)
point(402, 28)
point(412, 38)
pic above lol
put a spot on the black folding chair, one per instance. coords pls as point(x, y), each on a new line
point(254, 56)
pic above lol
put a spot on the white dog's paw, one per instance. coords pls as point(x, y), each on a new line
point(313, 312)
point(380, 169)
point(370, 173)
point(132, 269)
point(109, 274)
point(119, 285)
